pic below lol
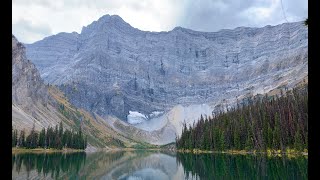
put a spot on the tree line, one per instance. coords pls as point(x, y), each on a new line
point(56, 138)
point(276, 122)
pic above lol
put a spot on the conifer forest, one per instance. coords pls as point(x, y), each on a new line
point(55, 138)
point(275, 122)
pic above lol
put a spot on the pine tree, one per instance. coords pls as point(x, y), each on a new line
point(42, 138)
point(306, 22)
point(15, 138)
point(57, 140)
point(298, 144)
point(276, 132)
point(236, 138)
point(222, 141)
point(35, 140)
point(60, 130)
point(270, 136)
point(49, 137)
point(32, 138)
point(22, 142)
point(28, 142)
point(249, 143)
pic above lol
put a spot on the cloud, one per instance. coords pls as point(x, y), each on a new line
point(72, 15)
point(213, 15)
point(24, 29)
point(28, 16)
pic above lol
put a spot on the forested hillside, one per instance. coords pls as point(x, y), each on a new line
point(278, 122)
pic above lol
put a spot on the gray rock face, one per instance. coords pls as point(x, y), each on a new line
point(112, 68)
point(27, 86)
point(34, 103)
point(31, 102)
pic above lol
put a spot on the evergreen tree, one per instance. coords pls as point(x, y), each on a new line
point(57, 139)
point(60, 130)
point(22, 142)
point(222, 141)
point(298, 144)
point(49, 137)
point(270, 136)
point(306, 22)
point(42, 138)
point(276, 132)
point(15, 138)
point(32, 138)
point(236, 138)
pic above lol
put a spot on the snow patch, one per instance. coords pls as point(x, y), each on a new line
point(155, 114)
point(135, 117)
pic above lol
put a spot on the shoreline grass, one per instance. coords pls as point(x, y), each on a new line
point(269, 152)
point(290, 153)
point(41, 150)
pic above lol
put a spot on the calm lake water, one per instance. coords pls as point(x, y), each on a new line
point(151, 165)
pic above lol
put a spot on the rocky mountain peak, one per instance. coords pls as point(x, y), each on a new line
point(155, 72)
point(111, 20)
point(104, 24)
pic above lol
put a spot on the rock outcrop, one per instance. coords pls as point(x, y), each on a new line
point(27, 85)
point(31, 102)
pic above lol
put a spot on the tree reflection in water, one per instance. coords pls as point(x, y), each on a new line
point(223, 166)
point(155, 165)
point(49, 163)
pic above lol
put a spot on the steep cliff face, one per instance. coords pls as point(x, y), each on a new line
point(35, 103)
point(111, 68)
point(31, 101)
point(27, 85)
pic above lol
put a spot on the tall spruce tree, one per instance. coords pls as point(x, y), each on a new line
point(42, 138)
point(21, 141)
point(14, 138)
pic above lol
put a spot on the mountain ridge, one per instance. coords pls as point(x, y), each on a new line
point(111, 68)
point(118, 19)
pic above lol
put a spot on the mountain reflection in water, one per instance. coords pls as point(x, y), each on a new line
point(154, 165)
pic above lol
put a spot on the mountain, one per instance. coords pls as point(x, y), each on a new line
point(30, 96)
point(155, 81)
point(33, 102)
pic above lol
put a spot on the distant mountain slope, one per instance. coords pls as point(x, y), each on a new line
point(166, 78)
point(34, 102)
point(113, 68)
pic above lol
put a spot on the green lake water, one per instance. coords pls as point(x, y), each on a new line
point(153, 165)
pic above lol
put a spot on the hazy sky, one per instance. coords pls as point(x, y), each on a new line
point(32, 20)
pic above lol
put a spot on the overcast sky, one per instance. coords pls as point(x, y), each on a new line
point(32, 20)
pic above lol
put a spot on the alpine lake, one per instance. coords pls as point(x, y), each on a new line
point(156, 165)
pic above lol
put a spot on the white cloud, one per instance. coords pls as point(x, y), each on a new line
point(28, 16)
point(72, 15)
point(268, 14)
point(213, 15)
point(30, 31)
